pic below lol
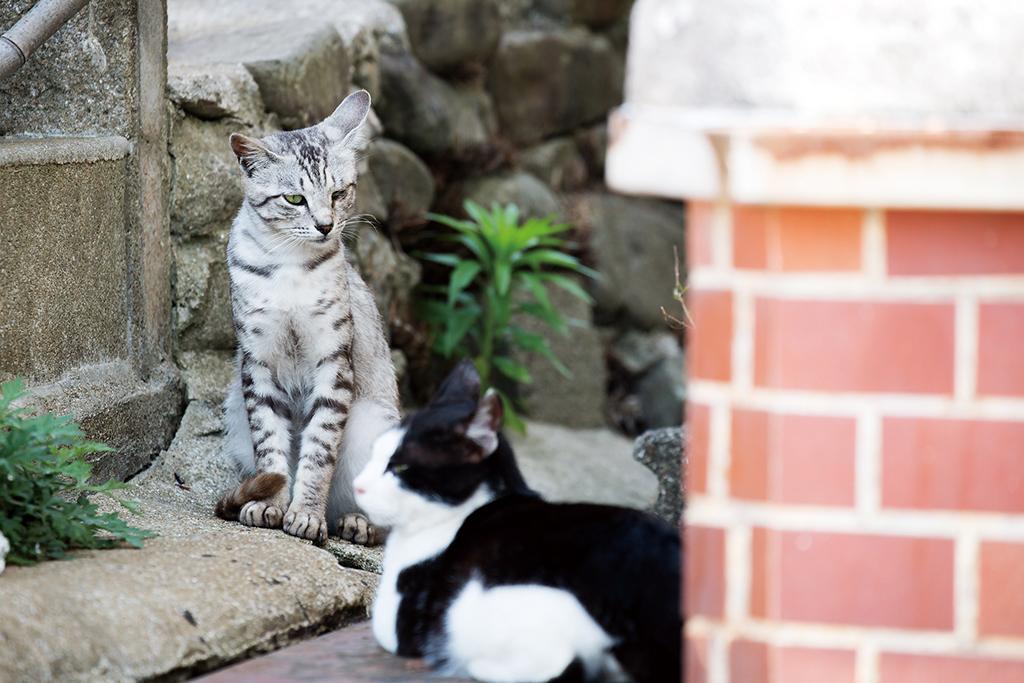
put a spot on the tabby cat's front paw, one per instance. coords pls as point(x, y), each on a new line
point(262, 514)
point(306, 523)
point(357, 528)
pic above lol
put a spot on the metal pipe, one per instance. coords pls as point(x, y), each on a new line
point(32, 30)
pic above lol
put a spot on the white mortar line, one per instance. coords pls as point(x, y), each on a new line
point(853, 403)
point(832, 636)
point(965, 587)
point(946, 524)
point(738, 541)
point(742, 340)
point(966, 353)
point(721, 237)
point(856, 286)
point(718, 658)
point(873, 248)
point(719, 446)
point(866, 666)
point(868, 462)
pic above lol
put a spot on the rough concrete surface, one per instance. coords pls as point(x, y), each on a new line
point(592, 465)
point(70, 255)
point(661, 451)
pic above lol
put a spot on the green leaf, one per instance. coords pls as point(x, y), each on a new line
point(461, 278)
point(531, 341)
point(568, 284)
point(512, 369)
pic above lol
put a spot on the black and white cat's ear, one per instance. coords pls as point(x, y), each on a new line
point(344, 126)
point(462, 384)
point(486, 422)
point(252, 154)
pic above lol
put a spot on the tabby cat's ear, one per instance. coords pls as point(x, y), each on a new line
point(343, 125)
point(483, 428)
point(252, 154)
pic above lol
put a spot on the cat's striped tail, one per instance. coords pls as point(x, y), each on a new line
point(258, 487)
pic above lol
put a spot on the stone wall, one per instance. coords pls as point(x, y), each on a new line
point(473, 99)
point(84, 253)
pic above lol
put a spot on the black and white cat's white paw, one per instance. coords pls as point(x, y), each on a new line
point(306, 523)
point(261, 513)
point(356, 528)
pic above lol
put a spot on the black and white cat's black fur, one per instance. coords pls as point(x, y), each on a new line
point(484, 578)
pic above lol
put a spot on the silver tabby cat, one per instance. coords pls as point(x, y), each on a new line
point(314, 384)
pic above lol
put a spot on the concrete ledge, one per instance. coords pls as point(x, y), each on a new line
point(204, 593)
point(62, 150)
point(769, 159)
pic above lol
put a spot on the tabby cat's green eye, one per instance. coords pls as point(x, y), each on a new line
point(294, 199)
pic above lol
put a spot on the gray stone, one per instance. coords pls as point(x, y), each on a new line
point(583, 465)
point(662, 388)
point(446, 34)
point(550, 82)
point(577, 401)
point(135, 416)
point(429, 115)
point(533, 197)
point(302, 69)
point(661, 451)
point(206, 374)
point(405, 183)
point(202, 303)
point(592, 143)
point(557, 162)
point(369, 201)
point(390, 274)
point(632, 241)
point(215, 91)
point(594, 13)
point(206, 182)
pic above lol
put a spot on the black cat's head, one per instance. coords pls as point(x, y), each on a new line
point(437, 457)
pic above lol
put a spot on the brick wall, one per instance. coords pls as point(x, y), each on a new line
point(856, 483)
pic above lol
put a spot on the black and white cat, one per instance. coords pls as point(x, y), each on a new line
point(484, 578)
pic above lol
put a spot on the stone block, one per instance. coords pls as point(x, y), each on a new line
point(215, 91)
point(202, 300)
point(631, 240)
point(404, 182)
point(550, 82)
point(447, 34)
point(661, 451)
point(533, 197)
point(302, 69)
point(557, 162)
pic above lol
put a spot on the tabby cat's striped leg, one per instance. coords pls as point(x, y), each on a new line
point(327, 415)
point(270, 423)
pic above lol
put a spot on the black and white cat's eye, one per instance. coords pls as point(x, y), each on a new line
point(398, 469)
point(295, 199)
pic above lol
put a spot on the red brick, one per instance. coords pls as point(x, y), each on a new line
point(699, 219)
point(704, 574)
point(1002, 598)
point(906, 668)
point(786, 458)
point(953, 464)
point(796, 238)
point(854, 346)
point(710, 339)
point(698, 426)
point(954, 242)
point(696, 665)
point(751, 662)
point(856, 579)
point(1000, 350)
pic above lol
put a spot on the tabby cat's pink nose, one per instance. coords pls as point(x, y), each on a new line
point(325, 228)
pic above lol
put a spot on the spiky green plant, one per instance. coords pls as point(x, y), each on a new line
point(45, 509)
point(505, 273)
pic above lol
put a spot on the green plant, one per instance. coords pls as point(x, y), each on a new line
point(44, 487)
point(505, 273)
